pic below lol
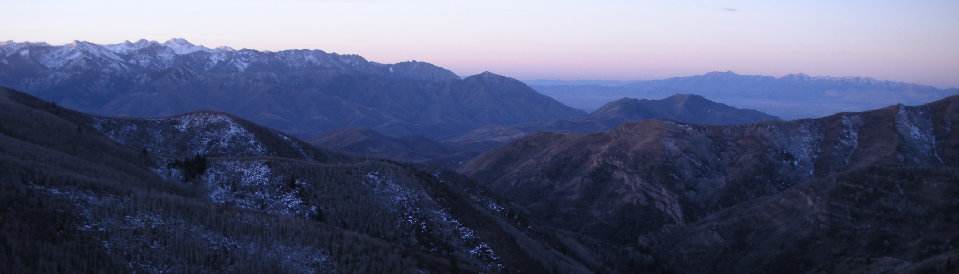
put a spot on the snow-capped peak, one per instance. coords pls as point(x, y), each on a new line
point(127, 46)
point(182, 46)
point(82, 46)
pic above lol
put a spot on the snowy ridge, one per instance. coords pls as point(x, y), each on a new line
point(132, 59)
point(220, 132)
point(206, 133)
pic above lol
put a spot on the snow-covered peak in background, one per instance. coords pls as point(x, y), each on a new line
point(127, 46)
point(93, 49)
point(130, 60)
point(182, 46)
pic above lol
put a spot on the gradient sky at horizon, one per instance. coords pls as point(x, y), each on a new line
point(912, 41)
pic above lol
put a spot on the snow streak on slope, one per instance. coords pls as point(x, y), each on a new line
point(918, 136)
point(414, 208)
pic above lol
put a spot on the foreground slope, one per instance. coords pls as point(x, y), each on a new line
point(302, 92)
point(207, 191)
point(635, 179)
point(898, 218)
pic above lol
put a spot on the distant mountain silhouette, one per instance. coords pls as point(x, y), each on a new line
point(790, 97)
point(301, 92)
point(689, 108)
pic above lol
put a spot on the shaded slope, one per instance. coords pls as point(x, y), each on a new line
point(877, 219)
point(674, 173)
point(107, 206)
point(359, 141)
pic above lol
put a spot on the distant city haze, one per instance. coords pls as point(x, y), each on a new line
point(910, 41)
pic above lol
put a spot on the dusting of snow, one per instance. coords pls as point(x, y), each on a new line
point(489, 204)
point(918, 135)
point(467, 237)
point(799, 147)
point(849, 137)
point(299, 149)
point(251, 184)
point(185, 135)
point(407, 202)
point(398, 198)
point(226, 133)
point(60, 57)
point(240, 65)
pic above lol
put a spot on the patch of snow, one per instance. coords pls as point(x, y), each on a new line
point(849, 137)
point(251, 184)
point(917, 133)
point(220, 133)
point(240, 65)
point(803, 144)
point(60, 57)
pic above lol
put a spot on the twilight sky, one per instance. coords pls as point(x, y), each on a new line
point(914, 41)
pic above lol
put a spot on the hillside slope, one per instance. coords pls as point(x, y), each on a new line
point(209, 192)
point(673, 173)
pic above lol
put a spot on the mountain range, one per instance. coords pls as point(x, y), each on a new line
point(301, 92)
point(789, 96)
